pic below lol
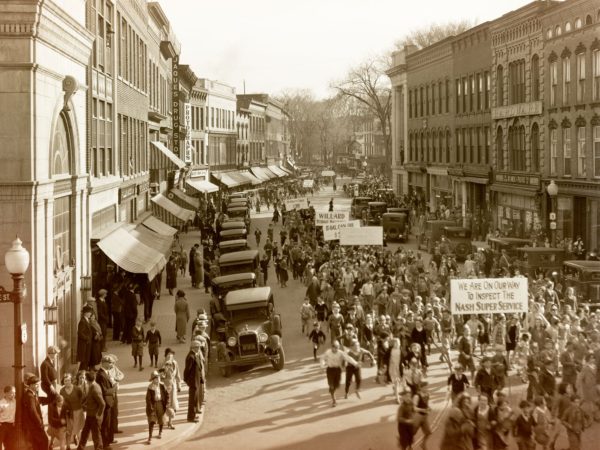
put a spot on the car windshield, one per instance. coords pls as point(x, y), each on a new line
point(240, 315)
point(458, 234)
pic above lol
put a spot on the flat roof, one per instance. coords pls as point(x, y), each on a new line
point(223, 279)
point(248, 295)
point(233, 243)
point(237, 256)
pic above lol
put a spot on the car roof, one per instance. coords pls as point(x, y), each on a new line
point(394, 214)
point(248, 295)
point(581, 264)
point(362, 198)
point(246, 276)
point(541, 249)
point(455, 228)
point(448, 222)
point(377, 203)
point(233, 243)
point(235, 256)
point(509, 240)
point(237, 208)
point(232, 224)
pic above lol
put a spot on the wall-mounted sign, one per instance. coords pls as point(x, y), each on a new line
point(519, 109)
point(127, 192)
point(199, 173)
point(175, 104)
point(187, 123)
point(517, 179)
point(143, 187)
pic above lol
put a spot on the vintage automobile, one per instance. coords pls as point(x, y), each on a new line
point(248, 330)
point(232, 225)
point(374, 212)
point(239, 262)
point(534, 260)
point(233, 234)
point(238, 203)
point(357, 206)
point(236, 245)
point(497, 244)
point(584, 276)
point(433, 232)
point(460, 241)
point(221, 285)
point(238, 212)
point(395, 226)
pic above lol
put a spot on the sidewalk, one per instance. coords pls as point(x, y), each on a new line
point(132, 390)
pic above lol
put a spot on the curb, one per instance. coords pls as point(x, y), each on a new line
point(181, 436)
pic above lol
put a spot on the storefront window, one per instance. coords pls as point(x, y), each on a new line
point(564, 217)
point(62, 233)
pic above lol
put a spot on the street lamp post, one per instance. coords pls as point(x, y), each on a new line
point(552, 190)
point(17, 263)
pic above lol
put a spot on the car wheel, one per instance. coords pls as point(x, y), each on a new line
point(225, 357)
point(278, 360)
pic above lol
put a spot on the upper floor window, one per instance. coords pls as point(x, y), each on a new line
point(516, 143)
point(553, 151)
point(499, 86)
point(553, 82)
point(557, 30)
point(580, 77)
point(566, 74)
point(500, 148)
point(567, 27)
point(535, 78)
point(596, 154)
point(566, 135)
point(596, 74)
point(578, 23)
point(458, 95)
point(517, 81)
point(535, 148)
point(581, 172)
point(488, 86)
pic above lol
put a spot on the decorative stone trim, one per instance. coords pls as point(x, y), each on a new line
point(580, 48)
point(553, 56)
point(565, 53)
point(580, 121)
point(552, 124)
point(595, 120)
point(566, 123)
point(595, 45)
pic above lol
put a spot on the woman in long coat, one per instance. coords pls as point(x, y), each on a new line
point(172, 269)
point(182, 315)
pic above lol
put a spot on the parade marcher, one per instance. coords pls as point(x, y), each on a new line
point(395, 369)
point(574, 421)
point(483, 416)
point(524, 426)
point(335, 323)
point(332, 360)
point(422, 409)
point(484, 380)
point(357, 354)
point(405, 418)
point(317, 337)
point(459, 429)
point(157, 399)
point(457, 382)
point(172, 382)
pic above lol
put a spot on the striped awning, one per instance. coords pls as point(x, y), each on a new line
point(277, 171)
point(159, 226)
point(288, 171)
point(202, 186)
point(253, 179)
point(158, 242)
point(132, 255)
point(163, 158)
point(225, 179)
point(188, 200)
point(260, 174)
point(169, 211)
point(241, 179)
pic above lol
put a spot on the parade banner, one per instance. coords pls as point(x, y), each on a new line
point(326, 217)
point(331, 231)
point(361, 236)
point(296, 203)
point(308, 184)
point(489, 295)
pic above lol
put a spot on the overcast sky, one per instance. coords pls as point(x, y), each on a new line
point(303, 44)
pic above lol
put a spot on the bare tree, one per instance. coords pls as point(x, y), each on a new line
point(368, 85)
point(435, 32)
point(299, 105)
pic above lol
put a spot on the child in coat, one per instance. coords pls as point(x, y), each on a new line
point(137, 343)
point(153, 340)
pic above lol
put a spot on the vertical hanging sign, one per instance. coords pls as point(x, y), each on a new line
point(175, 104)
point(187, 123)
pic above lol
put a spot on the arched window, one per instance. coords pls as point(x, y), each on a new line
point(549, 33)
point(535, 148)
point(535, 78)
point(568, 26)
point(422, 149)
point(434, 146)
point(440, 145)
point(557, 30)
point(499, 86)
point(516, 147)
point(448, 140)
point(500, 148)
point(588, 20)
point(61, 148)
point(578, 23)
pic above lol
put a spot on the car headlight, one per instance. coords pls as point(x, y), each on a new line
point(231, 341)
point(262, 337)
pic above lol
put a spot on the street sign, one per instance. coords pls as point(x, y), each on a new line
point(553, 225)
point(5, 296)
point(552, 216)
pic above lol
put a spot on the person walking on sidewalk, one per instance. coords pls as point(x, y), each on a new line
point(137, 343)
point(94, 410)
point(157, 399)
point(193, 375)
point(172, 269)
point(172, 381)
point(153, 340)
point(182, 315)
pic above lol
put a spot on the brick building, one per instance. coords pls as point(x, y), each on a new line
point(256, 130)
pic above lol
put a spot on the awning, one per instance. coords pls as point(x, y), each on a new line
point(173, 208)
point(514, 189)
point(158, 242)
point(260, 174)
point(328, 173)
point(202, 186)
point(308, 183)
point(163, 158)
point(225, 179)
point(254, 180)
point(270, 173)
point(132, 255)
point(241, 179)
point(159, 226)
point(292, 164)
point(288, 171)
point(475, 180)
point(277, 171)
point(191, 201)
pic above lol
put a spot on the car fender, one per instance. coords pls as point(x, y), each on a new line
point(273, 343)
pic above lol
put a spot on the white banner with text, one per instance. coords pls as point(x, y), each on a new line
point(489, 295)
point(296, 203)
point(325, 217)
point(332, 231)
point(361, 236)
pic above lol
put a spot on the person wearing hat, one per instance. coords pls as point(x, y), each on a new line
point(172, 381)
point(157, 399)
point(193, 375)
point(94, 411)
point(31, 413)
point(85, 336)
point(102, 316)
point(48, 372)
point(107, 385)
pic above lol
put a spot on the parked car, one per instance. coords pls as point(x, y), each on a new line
point(239, 212)
point(584, 276)
point(357, 206)
point(534, 260)
point(236, 245)
point(233, 234)
point(374, 212)
point(221, 285)
point(239, 262)
point(249, 331)
point(459, 240)
point(497, 244)
point(432, 233)
point(395, 226)
point(232, 225)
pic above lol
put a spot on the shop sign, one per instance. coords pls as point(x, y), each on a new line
point(489, 296)
point(175, 104)
point(517, 179)
point(520, 109)
point(127, 192)
point(187, 123)
point(143, 187)
point(199, 173)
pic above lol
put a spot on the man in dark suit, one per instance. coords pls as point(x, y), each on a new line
point(103, 314)
point(94, 410)
point(193, 377)
point(48, 373)
point(484, 379)
point(85, 335)
point(547, 378)
point(129, 310)
point(192, 265)
point(107, 385)
point(32, 418)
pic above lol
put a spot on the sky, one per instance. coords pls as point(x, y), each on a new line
point(277, 45)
